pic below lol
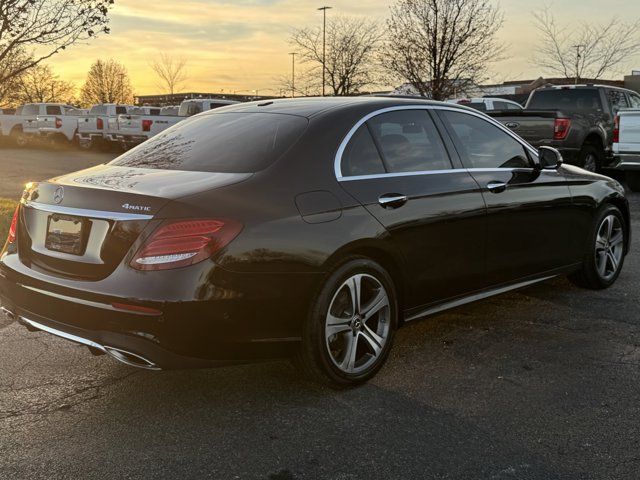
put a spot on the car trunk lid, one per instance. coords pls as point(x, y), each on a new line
point(82, 225)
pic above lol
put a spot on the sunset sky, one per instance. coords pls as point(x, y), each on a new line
point(242, 45)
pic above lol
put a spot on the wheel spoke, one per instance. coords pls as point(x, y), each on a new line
point(355, 287)
point(336, 325)
point(601, 243)
point(373, 339)
point(617, 239)
point(377, 304)
point(349, 361)
point(602, 262)
point(613, 260)
point(609, 227)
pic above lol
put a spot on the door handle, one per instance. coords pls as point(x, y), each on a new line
point(496, 187)
point(392, 200)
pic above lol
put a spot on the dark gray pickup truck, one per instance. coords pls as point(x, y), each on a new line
point(578, 120)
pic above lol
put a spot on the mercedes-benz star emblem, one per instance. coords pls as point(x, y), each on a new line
point(58, 195)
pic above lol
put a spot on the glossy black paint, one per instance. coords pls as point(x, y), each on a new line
point(450, 238)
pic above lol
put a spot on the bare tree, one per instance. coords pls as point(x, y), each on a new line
point(107, 82)
point(588, 51)
point(40, 84)
point(442, 47)
point(44, 28)
point(350, 64)
point(171, 72)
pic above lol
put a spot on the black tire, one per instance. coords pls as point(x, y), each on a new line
point(590, 158)
point(314, 357)
point(633, 181)
point(19, 138)
point(589, 276)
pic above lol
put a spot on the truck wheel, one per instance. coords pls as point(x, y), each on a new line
point(590, 158)
point(633, 181)
point(19, 138)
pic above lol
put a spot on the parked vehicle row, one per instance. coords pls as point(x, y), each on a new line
point(102, 125)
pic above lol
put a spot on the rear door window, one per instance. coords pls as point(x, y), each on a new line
point(219, 142)
point(618, 100)
point(121, 110)
point(409, 142)
point(635, 100)
point(30, 109)
point(53, 110)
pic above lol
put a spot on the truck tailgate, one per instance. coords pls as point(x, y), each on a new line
point(629, 132)
point(536, 127)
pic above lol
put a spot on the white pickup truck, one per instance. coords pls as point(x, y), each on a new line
point(135, 128)
point(93, 128)
point(626, 146)
point(59, 127)
point(23, 125)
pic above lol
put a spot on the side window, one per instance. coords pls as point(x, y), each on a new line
point(483, 145)
point(121, 110)
point(513, 106)
point(361, 156)
point(409, 141)
point(618, 100)
point(51, 110)
point(497, 105)
point(635, 100)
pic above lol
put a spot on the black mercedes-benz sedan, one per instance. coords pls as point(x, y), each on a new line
point(310, 228)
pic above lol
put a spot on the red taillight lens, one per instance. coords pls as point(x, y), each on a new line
point(146, 125)
point(616, 129)
point(561, 128)
point(58, 123)
point(183, 243)
point(100, 124)
point(13, 229)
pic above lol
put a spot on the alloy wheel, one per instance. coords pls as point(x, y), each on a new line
point(609, 247)
point(590, 162)
point(358, 323)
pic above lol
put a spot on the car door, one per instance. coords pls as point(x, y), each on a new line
point(529, 210)
point(396, 164)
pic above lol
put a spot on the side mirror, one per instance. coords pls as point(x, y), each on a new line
point(549, 158)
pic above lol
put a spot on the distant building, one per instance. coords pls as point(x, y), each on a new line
point(178, 98)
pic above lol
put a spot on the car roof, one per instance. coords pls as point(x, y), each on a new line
point(314, 106)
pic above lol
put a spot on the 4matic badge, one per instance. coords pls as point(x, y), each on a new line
point(136, 208)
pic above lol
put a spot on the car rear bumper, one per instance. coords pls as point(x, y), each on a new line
point(131, 139)
point(261, 322)
point(627, 161)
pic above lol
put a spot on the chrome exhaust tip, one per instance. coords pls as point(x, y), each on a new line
point(131, 359)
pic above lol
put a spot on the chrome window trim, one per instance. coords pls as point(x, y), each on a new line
point(343, 145)
point(82, 212)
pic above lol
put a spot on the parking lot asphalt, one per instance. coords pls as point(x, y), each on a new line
point(542, 383)
point(19, 166)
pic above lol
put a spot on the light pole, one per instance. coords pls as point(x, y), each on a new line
point(324, 46)
point(293, 74)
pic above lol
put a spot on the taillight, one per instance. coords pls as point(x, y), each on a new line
point(182, 243)
point(561, 128)
point(100, 124)
point(58, 122)
point(146, 125)
point(616, 129)
point(13, 229)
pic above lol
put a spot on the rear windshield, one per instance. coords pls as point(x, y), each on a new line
point(219, 142)
point(566, 100)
